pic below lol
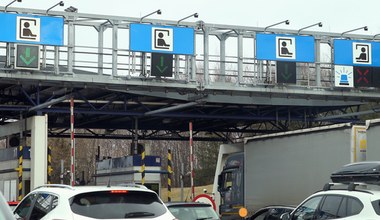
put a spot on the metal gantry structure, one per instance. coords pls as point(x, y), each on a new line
point(221, 89)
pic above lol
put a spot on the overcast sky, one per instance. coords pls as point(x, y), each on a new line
point(337, 15)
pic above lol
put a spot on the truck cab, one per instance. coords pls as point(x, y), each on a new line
point(231, 186)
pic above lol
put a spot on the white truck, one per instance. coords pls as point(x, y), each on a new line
point(284, 168)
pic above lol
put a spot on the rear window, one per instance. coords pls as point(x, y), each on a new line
point(193, 212)
point(116, 205)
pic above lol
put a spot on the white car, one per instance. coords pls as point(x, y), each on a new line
point(5, 210)
point(352, 203)
point(55, 201)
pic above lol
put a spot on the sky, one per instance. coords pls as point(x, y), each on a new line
point(337, 15)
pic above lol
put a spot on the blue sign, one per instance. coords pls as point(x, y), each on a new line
point(356, 53)
point(285, 48)
point(31, 29)
point(162, 39)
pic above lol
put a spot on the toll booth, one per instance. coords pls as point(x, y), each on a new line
point(11, 161)
point(122, 170)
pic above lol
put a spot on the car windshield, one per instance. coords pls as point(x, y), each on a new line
point(117, 204)
point(193, 212)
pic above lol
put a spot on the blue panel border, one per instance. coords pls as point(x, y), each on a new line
point(343, 52)
point(266, 48)
point(140, 39)
point(51, 29)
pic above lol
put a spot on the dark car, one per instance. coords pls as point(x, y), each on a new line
point(192, 211)
point(271, 212)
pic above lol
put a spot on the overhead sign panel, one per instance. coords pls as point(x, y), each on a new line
point(31, 29)
point(161, 39)
point(356, 53)
point(285, 48)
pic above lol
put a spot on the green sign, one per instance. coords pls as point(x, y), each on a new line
point(27, 57)
point(162, 65)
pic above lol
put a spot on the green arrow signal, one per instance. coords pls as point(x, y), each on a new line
point(286, 74)
point(27, 59)
point(161, 67)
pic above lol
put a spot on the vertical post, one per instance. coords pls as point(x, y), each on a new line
point(19, 169)
point(191, 159)
point(50, 169)
point(114, 49)
point(176, 64)
point(56, 60)
point(43, 56)
point(240, 58)
point(71, 45)
point(143, 165)
point(182, 176)
point(223, 39)
point(63, 171)
point(332, 76)
point(206, 55)
point(193, 61)
point(100, 48)
point(8, 54)
point(318, 61)
point(38, 150)
point(72, 174)
point(170, 171)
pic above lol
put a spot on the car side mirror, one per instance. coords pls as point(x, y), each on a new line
point(285, 216)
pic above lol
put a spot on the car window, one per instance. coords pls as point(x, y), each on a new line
point(376, 206)
point(354, 206)
point(335, 206)
point(118, 204)
point(24, 207)
point(275, 213)
point(329, 207)
point(307, 210)
point(43, 205)
point(193, 212)
point(260, 216)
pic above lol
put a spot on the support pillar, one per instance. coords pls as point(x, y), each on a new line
point(38, 154)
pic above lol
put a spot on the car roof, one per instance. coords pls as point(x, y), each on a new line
point(277, 207)
point(356, 192)
point(73, 190)
point(187, 204)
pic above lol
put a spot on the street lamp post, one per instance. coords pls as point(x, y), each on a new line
point(195, 15)
point(374, 36)
point(365, 28)
point(286, 22)
point(59, 3)
point(319, 25)
point(155, 12)
point(5, 9)
point(71, 9)
point(176, 57)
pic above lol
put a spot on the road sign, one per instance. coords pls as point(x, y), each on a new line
point(286, 72)
point(32, 29)
point(285, 47)
point(161, 39)
point(362, 76)
point(205, 199)
point(344, 76)
point(356, 53)
point(27, 57)
point(162, 65)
